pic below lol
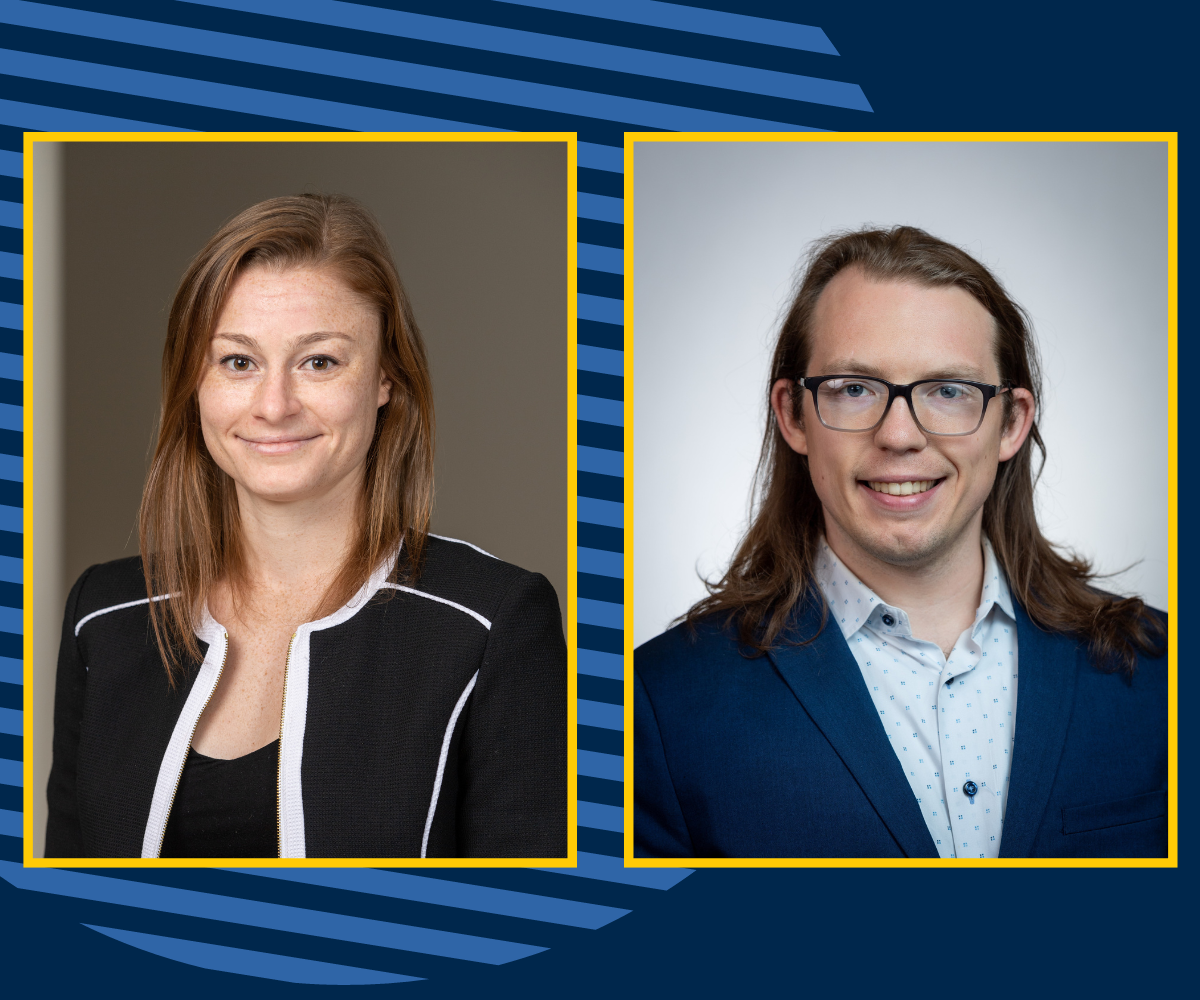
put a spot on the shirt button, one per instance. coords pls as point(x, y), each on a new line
point(889, 621)
point(970, 788)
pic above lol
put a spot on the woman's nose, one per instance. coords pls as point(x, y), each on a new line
point(276, 399)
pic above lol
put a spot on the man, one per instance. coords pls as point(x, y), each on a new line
point(850, 687)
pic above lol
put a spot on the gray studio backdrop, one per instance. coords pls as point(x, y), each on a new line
point(479, 232)
point(1077, 232)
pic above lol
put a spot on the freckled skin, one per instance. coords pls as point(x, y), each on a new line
point(288, 403)
point(923, 554)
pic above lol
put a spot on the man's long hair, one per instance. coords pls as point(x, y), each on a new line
point(771, 575)
point(189, 526)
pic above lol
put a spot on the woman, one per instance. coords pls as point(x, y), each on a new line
point(295, 667)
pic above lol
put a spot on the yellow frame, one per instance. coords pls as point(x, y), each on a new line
point(1171, 139)
point(571, 860)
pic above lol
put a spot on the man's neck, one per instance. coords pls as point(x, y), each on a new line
point(940, 597)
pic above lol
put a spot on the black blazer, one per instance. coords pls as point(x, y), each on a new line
point(783, 756)
point(421, 722)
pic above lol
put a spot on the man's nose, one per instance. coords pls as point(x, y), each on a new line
point(899, 430)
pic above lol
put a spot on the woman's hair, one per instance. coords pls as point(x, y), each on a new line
point(189, 526)
point(771, 574)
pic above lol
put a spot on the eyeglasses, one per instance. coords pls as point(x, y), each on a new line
point(939, 406)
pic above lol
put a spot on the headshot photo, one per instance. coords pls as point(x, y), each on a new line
point(900, 475)
point(301, 514)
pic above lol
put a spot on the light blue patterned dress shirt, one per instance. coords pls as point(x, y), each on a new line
point(949, 720)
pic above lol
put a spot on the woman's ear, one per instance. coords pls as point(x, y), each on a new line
point(784, 404)
point(385, 389)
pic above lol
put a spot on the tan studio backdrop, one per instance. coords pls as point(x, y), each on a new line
point(479, 233)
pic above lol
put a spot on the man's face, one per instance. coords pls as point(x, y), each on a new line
point(902, 332)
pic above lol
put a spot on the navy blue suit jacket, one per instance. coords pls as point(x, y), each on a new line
point(783, 756)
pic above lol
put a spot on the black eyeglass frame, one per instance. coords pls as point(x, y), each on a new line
point(812, 382)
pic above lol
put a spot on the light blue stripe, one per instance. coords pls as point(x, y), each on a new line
point(12, 214)
point(343, 65)
point(603, 868)
point(205, 94)
point(12, 824)
point(601, 359)
point(13, 620)
point(273, 916)
point(555, 48)
point(11, 365)
point(12, 164)
point(13, 570)
point(596, 561)
point(591, 662)
point(11, 720)
point(597, 157)
point(598, 206)
point(599, 613)
point(260, 964)
point(12, 418)
point(442, 892)
point(601, 309)
point(591, 511)
point(702, 22)
point(12, 315)
point(601, 460)
point(13, 518)
point(600, 411)
point(13, 671)
point(600, 817)
point(595, 258)
point(601, 765)
point(38, 118)
point(12, 265)
point(12, 467)
point(601, 715)
point(12, 772)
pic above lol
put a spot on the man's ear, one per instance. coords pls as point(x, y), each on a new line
point(1020, 423)
point(783, 393)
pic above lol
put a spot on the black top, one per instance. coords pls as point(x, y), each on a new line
point(430, 722)
point(226, 808)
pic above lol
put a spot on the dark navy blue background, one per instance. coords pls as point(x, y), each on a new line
point(934, 66)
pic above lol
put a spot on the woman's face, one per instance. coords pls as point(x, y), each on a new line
point(292, 384)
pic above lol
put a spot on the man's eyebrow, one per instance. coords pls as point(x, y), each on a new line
point(968, 373)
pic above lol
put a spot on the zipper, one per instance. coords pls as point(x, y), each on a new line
point(279, 771)
point(191, 736)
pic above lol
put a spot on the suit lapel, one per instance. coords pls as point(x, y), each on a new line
point(826, 680)
point(1047, 668)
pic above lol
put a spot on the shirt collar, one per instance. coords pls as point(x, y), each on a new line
point(852, 603)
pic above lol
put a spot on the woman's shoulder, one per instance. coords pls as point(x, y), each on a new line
point(459, 571)
point(105, 587)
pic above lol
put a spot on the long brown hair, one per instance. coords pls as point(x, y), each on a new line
point(188, 526)
point(771, 574)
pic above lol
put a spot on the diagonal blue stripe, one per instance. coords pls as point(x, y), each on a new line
point(12, 164)
point(12, 214)
point(601, 461)
point(36, 117)
point(12, 824)
point(12, 418)
point(283, 968)
point(601, 613)
point(600, 359)
point(12, 671)
point(13, 620)
point(12, 264)
point(602, 310)
point(600, 817)
point(12, 468)
point(599, 866)
point(12, 366)
point(597, 664)
point(273, 916)
point(601, 411)
point(595, 258)
point(12, 772)
point(601, 765)
point(590, 511)
point(601, 715)
point(556, 48)
point(601, 207)
point(597, 157)
point(347, 66)
point(482, 899)
point(11, 720)
point(700, 21)
point(589, 561)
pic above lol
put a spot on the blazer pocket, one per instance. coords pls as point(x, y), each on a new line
point(1135, 809)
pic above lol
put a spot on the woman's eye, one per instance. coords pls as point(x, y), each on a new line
point(237, 364)
point(321, 364)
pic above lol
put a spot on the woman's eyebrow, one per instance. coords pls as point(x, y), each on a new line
point(245, 340)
